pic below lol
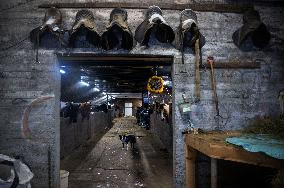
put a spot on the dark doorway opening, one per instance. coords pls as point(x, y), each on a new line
point(114, 87)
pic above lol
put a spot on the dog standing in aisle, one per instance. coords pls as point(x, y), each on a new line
point(125, 139)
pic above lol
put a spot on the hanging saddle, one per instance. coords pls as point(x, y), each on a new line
point(84, 33)
point(154, 22)
point(117, 33)
point(188, 32)
point(252, 30)
point(50, 34)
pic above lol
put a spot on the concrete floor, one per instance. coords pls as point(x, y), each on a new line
point(104, 163)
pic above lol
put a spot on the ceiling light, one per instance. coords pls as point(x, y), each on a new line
point(96, 89)
point(84, 83)
point(167, 82)
point(62, 71)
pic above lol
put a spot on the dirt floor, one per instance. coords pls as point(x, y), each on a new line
point(104, 163)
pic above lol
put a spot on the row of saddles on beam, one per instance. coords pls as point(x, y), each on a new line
point(118, 34)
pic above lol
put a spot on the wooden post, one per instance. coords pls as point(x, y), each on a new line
point(190, 156)
point(214, 175)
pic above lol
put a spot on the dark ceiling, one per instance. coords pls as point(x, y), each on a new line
point(108, 75)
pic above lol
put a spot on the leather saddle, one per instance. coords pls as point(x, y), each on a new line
point(156, 24)
point(84, 33)
point(253, 31)
point(188, 32)
point(117, 34)
point(50, 34)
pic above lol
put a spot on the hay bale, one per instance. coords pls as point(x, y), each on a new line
point(267, 125)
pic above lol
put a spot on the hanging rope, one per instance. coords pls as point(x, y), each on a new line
point(213, 82)
point(15, 44)
point(37, 46)
point(197, 72)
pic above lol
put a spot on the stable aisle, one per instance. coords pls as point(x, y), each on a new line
point(110, 165)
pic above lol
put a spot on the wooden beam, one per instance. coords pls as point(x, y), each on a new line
point(92, 54)
point(214, 173)
point(203, 7)
point(190, 156)
point(238, 64)
point(114, 59)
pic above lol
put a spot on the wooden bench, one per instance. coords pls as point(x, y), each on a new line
point(214, 145)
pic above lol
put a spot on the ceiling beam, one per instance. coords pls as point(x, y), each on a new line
point(133, 60)
point(112, 57)
point(126, 95)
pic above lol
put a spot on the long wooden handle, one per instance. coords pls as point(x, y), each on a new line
point(213, 80)
point(197, 72)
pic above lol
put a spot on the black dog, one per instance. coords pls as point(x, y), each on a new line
point(127, 138)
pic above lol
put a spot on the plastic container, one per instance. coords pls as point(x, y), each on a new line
point(64, 178)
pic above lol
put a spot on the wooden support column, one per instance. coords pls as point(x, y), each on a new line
point(214, 175)
point(190, 158)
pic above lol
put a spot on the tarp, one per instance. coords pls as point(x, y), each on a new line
point(268, 144)
point(20, 174)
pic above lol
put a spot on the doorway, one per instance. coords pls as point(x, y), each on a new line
point(128, 109)
point(106, 80)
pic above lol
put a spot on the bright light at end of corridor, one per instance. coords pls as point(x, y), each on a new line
point(62, 71)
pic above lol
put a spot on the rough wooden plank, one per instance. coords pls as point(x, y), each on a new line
point(214, 175)
point(215, 146)
point(105, 55)
point(115, 59)
point(106, 59)
point(205, 7)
